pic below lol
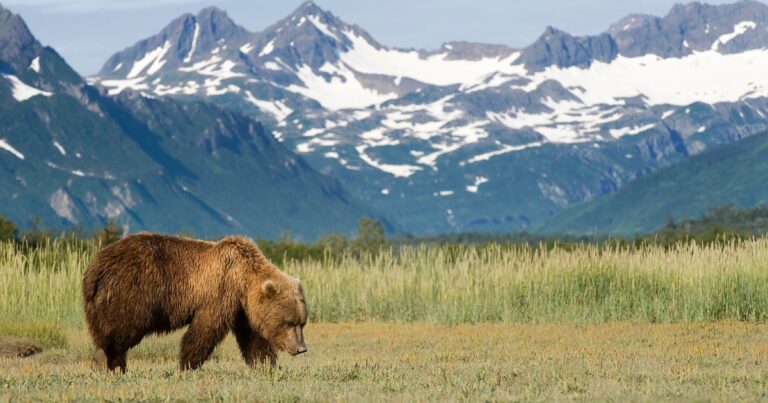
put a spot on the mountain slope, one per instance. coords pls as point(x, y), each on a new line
point(70, 155)
point(732, 174)
point(474, 137)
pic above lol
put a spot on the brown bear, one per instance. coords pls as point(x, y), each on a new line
point(147, 283)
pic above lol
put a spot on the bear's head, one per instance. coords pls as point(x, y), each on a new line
point(277, 309)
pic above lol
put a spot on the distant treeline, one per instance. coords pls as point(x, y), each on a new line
point(719, 225)
point(728, 220)
point(370, 238)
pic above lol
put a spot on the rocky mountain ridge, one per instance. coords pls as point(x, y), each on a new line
point(474, 137)
point(70, 155)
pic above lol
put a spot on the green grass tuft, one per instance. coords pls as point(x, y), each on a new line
point(46, 335)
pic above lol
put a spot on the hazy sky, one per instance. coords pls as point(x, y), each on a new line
point(87, 32)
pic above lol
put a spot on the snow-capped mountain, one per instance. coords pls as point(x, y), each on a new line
point(472, 136)
point(72, 156)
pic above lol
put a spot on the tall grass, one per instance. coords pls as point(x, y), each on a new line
point(687, 283)
point(42, 284)
point(583, 285)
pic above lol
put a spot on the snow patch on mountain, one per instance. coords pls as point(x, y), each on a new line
point(59, 147)
point(35, 65)
point(568, 121)
point(398, 171)
point(278, 109)
point(246, 49)
point(628, 131)
point(272, 66)
point(738, 30)
point(315, 20)
point(504, 150)
point(312, 145)
point(400, 117)
point(478, 181)
point(218, 70)
point(342, 91)
point(117, 86)
point(189, 88)
point(22, 92)
point(153, 60)
point(709, 77)
point(195, 38)
point(268, 48)
point(437, 69)
point(4, 145)
point(214, 70)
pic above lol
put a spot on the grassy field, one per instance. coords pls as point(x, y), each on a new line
point(417, 362)
point(438, 323)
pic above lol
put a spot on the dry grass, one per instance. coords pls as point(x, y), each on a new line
point(417, 362)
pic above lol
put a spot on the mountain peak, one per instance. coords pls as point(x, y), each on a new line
point(552, 30)
point(308, 36)
point(17, 44)
point(215, 15)
point(211, 11)
point(687, 7)
point(308, 7)
point(184, 40)
point(13, 23)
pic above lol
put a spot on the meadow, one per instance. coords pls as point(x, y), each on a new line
point(492, 322)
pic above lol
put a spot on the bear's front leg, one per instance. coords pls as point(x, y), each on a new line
point(254, 348)
point(204, 334)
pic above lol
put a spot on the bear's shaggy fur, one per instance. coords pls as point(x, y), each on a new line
point(146, 284)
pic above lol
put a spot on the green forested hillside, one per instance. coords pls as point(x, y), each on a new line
point(735, 174)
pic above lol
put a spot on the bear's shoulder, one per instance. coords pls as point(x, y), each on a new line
point(237, 247)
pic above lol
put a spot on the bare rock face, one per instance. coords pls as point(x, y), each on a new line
point(560, 49)
point(17, 44)
point(694, 27)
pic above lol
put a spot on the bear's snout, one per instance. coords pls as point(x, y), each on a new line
point(298, 351)
point(294, 343)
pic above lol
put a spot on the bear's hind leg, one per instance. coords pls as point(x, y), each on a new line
point(255, 349)
point(116, 359)
point(199, 342)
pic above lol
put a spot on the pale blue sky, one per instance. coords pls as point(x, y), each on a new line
point(87, 32)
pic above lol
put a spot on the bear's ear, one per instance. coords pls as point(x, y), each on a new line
point(269, 288)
